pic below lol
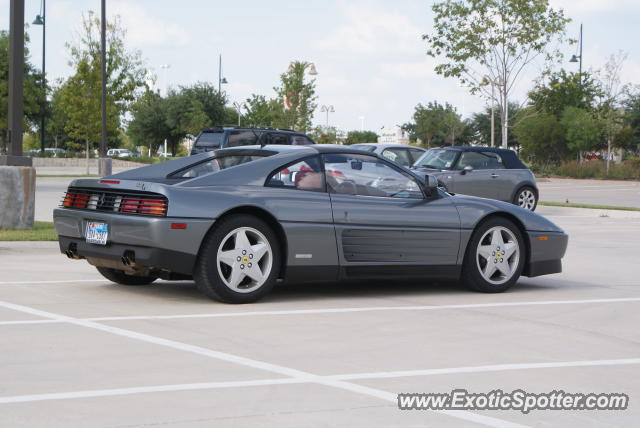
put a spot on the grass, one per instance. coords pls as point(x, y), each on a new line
point(42, 231)
point(591, 206)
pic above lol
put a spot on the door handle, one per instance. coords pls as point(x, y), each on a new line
point(494, 176)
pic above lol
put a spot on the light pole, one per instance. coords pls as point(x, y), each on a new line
point(221, 80)
point(578, 58)
point(327, 109)
point(40, 20)
point(238, 107)
point(165, 67)
point(104, 162)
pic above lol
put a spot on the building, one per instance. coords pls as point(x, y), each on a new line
point(393, 135)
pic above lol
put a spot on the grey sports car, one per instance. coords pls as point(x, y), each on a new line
point(238, 220)
point(487, 172)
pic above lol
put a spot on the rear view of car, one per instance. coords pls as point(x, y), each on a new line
point(218, 137)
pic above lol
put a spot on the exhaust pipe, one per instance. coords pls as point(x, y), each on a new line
point(128, 258)
point(72, 251)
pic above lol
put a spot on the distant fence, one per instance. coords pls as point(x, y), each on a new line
point(80, 162)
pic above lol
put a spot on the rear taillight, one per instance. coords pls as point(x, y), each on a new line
point(143, 206)
point(76, 200)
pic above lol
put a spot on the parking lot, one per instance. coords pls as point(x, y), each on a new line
point(80, 351)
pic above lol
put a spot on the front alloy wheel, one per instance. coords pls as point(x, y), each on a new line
point(495, 256)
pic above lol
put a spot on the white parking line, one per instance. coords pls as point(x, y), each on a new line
point(248, 362)
point(290, 380)
point(334, 310)
point(68, 281)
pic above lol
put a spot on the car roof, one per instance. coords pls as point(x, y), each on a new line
point(317, 148)
point(389, 145)
point(218, 129)
point(475, 148)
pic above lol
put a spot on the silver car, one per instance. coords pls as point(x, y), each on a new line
point(487, 172)
point(237, 220)
point(398, 153)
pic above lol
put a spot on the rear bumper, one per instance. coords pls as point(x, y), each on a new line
point(154, 242)
point(546, 252)
point(148, 257)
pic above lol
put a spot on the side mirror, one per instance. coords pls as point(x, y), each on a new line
point(466, 169)
point(430, 185)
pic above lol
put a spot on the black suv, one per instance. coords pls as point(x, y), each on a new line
point(219, 137)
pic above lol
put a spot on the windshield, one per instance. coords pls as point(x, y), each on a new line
point(216, 164)
point(437, 159)
point(210, 139)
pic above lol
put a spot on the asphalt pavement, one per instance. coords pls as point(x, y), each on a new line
point(78, 351)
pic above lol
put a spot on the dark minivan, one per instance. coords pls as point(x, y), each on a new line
point(219, 137)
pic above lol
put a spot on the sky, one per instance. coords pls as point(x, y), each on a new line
point(370, 57)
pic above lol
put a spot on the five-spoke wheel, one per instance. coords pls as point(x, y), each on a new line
point(239, 260)
point(495, 256)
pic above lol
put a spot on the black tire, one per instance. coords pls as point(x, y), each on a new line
point(516, 197)
point(471, 275)
point(119, 277)
point(207, 276)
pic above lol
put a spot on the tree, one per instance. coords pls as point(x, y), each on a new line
point(81, 93)
point(297, 96)
point(557, 91)
point(582, 130)
point(360, 137)
point(542, 137)
point(490, 42)
point(148, 126)
point(611, 107)
point(57, 119)
point(632, 119)
point(480, 127)
point(436, 124)
point(33, 97)
point(263, 112)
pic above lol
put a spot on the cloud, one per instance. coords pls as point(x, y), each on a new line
point(372, 31)
point(592, 6)
point(144, 29)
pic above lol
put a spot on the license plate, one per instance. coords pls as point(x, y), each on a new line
point(97, 233)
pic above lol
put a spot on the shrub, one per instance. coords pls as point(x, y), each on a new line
point(629, 169)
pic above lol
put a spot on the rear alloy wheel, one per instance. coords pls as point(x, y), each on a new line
point(526, 198)
point(239, 260)
point(119, 277)
point(495, 256)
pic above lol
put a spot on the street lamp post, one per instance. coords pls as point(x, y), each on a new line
point(238, 107)
point(41, 20)
point(578, 58)
point(221, 80)
point(327, 110)
point(104, 162)
point(165, 67)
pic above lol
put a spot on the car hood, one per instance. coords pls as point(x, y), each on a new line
point(472, 209)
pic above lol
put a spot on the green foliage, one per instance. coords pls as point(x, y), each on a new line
point(541, 136)
point(628, 169)
point(80, 95)
point(582, 130)
point(33, 96)
point(324, 135)
point(562, 90)
point(41, 231)
point(297, 97)
point(436, 124)
point(186, 110)
point(263, 112)
point(359, 137)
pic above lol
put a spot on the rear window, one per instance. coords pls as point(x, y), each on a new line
point(210, 139)
point(216, 164)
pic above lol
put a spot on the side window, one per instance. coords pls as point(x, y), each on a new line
point(300, 140)
point(478, 160)
point(367, 176)
point(303, 175)
point(242, 138)
point(415, 155)
point(278, 139)
point(494, 160)
point(400, 156)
